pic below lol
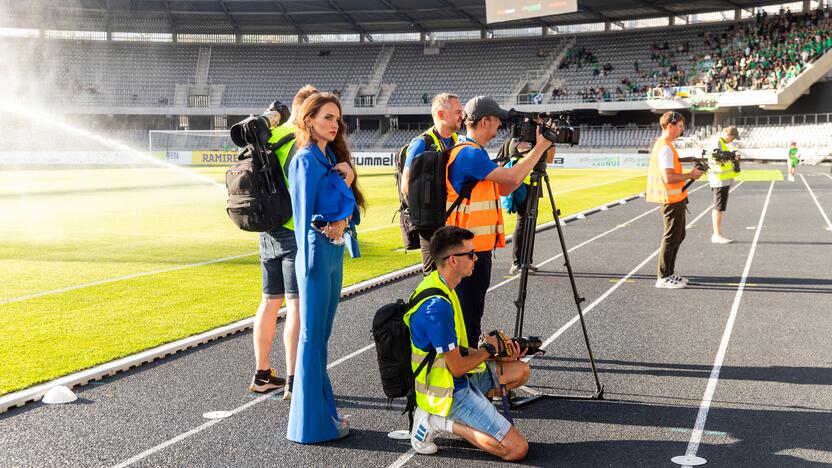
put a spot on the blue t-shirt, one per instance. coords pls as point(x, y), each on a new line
point(417, 147)
point(471, 162)
point(432, 327)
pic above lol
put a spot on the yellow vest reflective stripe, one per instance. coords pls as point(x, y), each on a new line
point(437, 142)
point(722, 171)
point(282, 154)
point(434, 392)
point(480, 213)
point(657, 190)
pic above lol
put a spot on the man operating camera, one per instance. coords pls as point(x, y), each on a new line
point(451, 390)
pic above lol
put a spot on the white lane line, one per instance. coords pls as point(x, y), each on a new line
point(704, 407)
point(817, 203)
point(624, 224)
point(122, 278)
point(403, 459)
point(618, 283)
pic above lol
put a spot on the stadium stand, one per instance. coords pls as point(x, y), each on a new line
point(612, 66)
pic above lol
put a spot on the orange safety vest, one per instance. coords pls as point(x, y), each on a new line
point(480, 213)
point(657, 190)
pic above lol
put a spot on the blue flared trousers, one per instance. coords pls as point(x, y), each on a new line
point(312, 417)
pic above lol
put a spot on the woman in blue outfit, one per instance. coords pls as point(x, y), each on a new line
point(325, 202)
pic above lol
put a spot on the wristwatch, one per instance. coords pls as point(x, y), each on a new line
point(492, 350)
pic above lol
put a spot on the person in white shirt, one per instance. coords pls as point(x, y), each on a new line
point(720, 177)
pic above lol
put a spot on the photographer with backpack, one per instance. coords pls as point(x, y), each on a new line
point(451, 390)
point(277, 265)
point(446, 111)
point(470, 166)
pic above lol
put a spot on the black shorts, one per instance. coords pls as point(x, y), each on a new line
point(721, 197)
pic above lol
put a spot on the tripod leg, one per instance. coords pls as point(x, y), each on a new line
point(578, 299)
point(527, 247)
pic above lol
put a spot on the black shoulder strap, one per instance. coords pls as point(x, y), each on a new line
point(424, 295)
point(286, 139)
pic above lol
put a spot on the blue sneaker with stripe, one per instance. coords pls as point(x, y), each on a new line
point(422, 435)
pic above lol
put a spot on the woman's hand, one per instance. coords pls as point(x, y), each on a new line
point(335, 229)
point(346, 172)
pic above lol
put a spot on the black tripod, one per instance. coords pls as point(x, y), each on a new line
point(538, 175)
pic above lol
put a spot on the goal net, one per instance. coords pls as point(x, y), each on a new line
point(191, 140)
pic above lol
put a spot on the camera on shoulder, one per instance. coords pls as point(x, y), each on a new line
point(555, 127)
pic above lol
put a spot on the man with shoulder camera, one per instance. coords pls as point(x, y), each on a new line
point(452, 390)
point(665, 185)
point(469, 167)
point(720, 176)
point(446, 111)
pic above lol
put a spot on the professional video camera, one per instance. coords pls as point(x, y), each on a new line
point(529, 344)
point(723, 157)
point(255, 130)
point(555, 127)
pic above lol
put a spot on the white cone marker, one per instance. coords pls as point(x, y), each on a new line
point(580, 216)
point(59, 395)
point(402, 434)
point(217, 415)
point(688, 460)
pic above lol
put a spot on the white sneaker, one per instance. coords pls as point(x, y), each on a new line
point(422, 435)
point(669, 283)
point(791, 178)
point(281, 314)
point(720, 239)
point(680, 279)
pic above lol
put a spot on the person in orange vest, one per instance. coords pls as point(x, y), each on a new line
point(665, 182)
point(480, 212)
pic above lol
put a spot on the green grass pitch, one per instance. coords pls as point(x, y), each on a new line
point(65, 235)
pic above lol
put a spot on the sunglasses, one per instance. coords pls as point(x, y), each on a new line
point(470, 255)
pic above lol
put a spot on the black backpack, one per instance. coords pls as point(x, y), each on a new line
point(410, 236)
point(427, 194)
point(255, 204)
point(392, 339)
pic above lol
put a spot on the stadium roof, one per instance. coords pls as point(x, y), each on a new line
point(320, 16)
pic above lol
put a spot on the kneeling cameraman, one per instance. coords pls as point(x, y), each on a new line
point(451, 391)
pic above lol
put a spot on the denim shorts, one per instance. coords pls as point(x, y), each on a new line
point(277, 263)
point(472, 408)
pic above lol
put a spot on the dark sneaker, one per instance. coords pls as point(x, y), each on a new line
point(265, 384)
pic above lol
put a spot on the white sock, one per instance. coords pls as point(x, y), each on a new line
point(443, 424)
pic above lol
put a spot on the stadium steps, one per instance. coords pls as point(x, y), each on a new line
point(800, 85)
point(203, 64)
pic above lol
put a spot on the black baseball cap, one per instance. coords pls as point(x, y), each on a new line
point(483, 106)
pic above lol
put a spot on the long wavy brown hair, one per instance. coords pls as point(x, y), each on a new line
point(305, 135)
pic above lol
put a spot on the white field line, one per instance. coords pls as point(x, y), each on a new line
point(817, 203)
point(405, 457)
point(212, 422)
point(402, 460)
point(704, 407)
point(122, 278)
point(561, 192)
point(208, 262)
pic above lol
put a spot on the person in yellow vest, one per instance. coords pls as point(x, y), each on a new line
point(720, 177)
point(665, 182)
point(446, 111)
point(451, 392)
point(480, 211)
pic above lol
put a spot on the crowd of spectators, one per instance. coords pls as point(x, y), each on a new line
point(765, 53)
